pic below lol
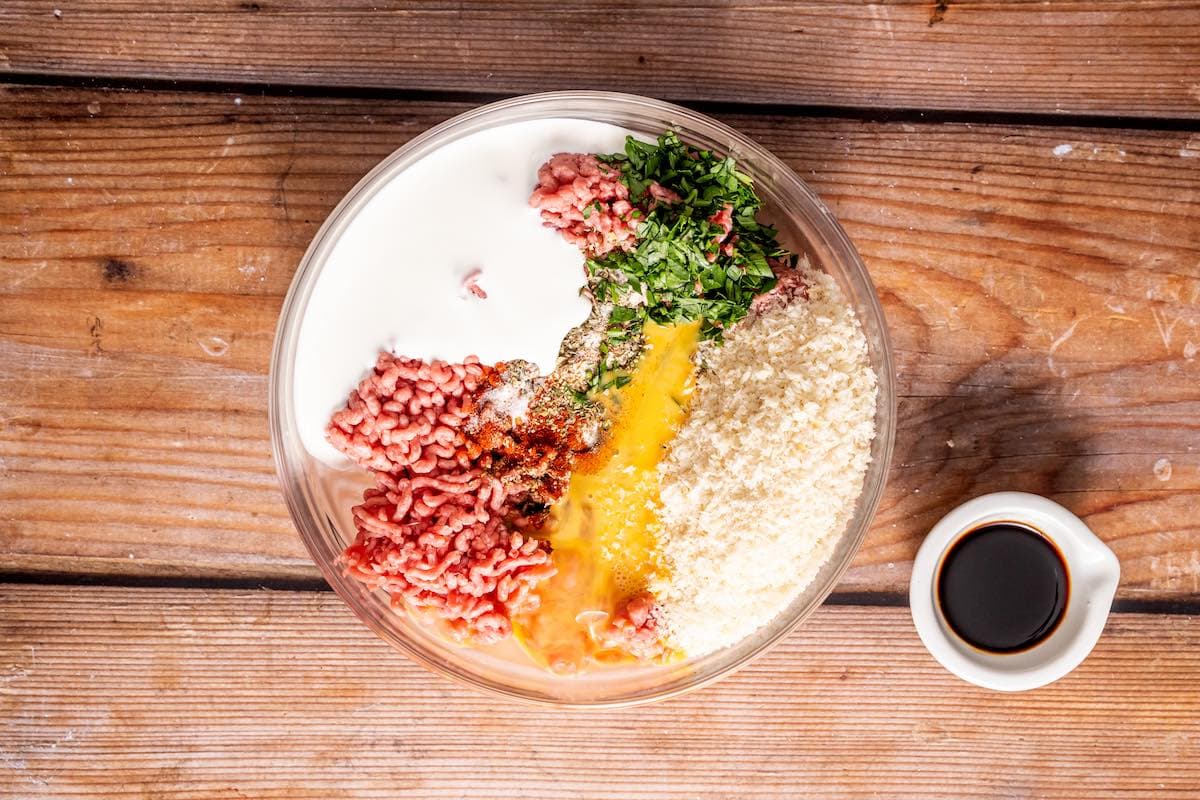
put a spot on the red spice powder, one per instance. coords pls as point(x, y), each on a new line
point(534, 458)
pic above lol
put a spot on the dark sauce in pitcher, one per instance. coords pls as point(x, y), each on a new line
point(1003, 587)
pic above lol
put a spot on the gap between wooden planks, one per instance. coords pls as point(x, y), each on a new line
point(115, 692)
point(1112, 57)
point(1042, 288)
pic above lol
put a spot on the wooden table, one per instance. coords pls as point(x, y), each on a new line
point(1022, 180)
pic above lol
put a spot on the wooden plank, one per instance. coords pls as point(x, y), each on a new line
point(1042, 287)
point(1112, 57)
point(192, 694)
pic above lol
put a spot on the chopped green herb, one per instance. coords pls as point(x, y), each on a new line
point(683, 267)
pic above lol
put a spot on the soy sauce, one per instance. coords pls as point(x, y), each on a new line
point(1003, 587)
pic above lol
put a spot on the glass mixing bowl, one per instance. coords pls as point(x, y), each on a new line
point(321, 515)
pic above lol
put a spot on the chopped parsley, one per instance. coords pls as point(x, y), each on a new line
point(683, 267)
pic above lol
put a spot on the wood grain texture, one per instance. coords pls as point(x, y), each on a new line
point(1042, 287)
point(119, 693)
point(1122, 57)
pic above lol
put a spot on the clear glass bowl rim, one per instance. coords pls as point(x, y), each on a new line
point(284, 440)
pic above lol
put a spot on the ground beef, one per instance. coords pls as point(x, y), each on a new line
point(436, 532)
point(637, 629)
point(789, 286)
point(585, 200)
point(661, 194)
point(448, 553)
point(724, 242)
point(408, 414)
point(471, 285)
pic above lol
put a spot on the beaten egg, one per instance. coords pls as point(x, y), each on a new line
point(604, 529)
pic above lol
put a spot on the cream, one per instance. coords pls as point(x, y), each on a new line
point(394, 280)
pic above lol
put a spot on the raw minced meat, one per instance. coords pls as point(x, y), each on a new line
point(585, 200)
point(435, 533)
